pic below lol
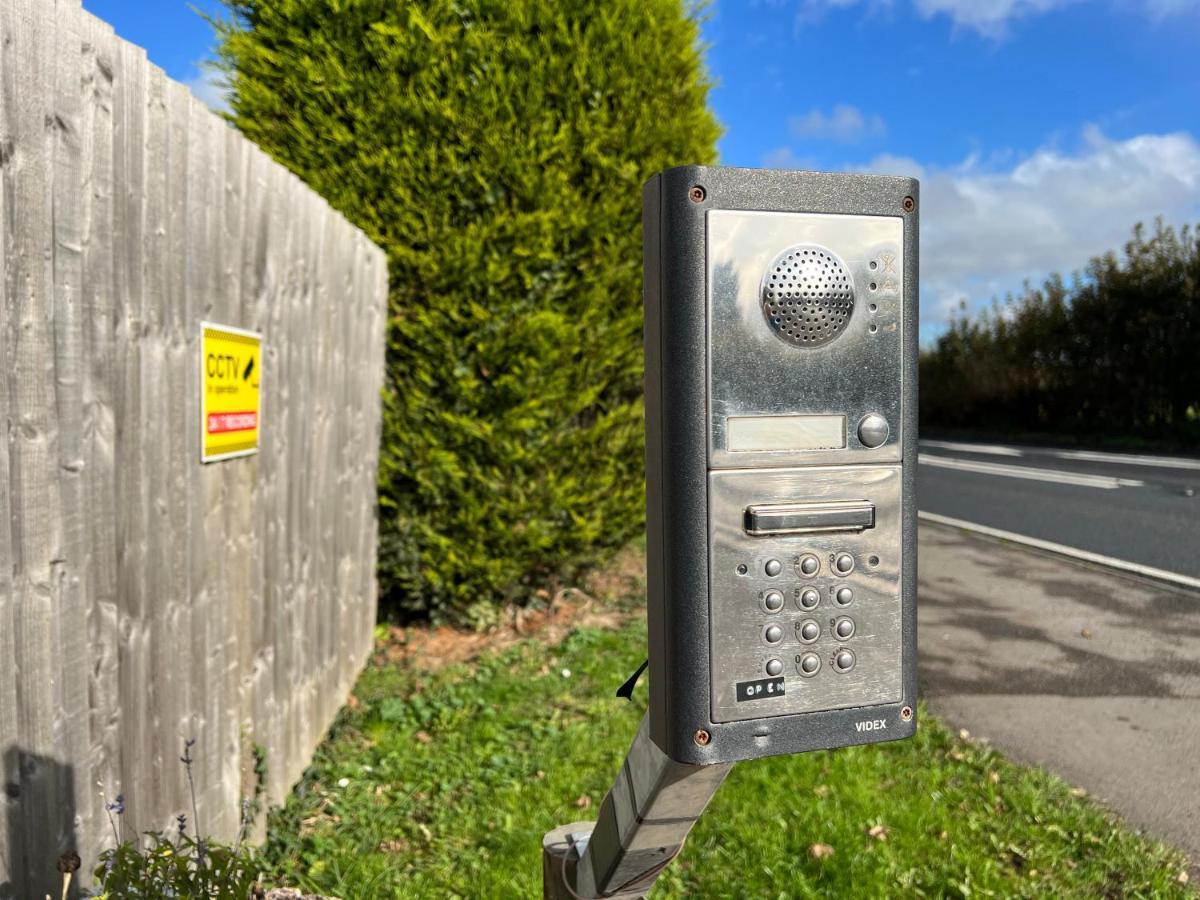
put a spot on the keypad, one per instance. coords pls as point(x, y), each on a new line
point(840, 629)
point(827, 643)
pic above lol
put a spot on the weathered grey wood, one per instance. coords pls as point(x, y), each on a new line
point(132, 522)
point(99, 386)
point(69, 605)
point(163, 688)
point(237, 500)
point(11, 844)
point(200, 291)
point(33, 434)
point(146, 598)
point(182, 351)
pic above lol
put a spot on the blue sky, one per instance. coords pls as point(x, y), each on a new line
point(1042, 130)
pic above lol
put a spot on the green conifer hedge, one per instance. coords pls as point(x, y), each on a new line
point(496, 149)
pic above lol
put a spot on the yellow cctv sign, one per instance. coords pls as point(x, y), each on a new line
point(230, 372)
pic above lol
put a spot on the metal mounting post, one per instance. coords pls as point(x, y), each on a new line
point(643, 822)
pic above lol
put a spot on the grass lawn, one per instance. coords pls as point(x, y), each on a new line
point(442, 784)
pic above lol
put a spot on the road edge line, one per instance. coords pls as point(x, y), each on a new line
point(1173, 578)
point(1029, 473)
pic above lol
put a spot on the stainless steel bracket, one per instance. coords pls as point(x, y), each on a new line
point(643, 822)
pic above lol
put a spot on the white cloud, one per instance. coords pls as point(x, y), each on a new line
point(985, 229)
point(889, 164)
point(785, 158)
point(844, 123)
point(1160, 9)
point(209, 87)
point(989, 18)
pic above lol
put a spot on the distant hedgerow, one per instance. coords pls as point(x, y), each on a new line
point(1109, 355)
point(496, 149)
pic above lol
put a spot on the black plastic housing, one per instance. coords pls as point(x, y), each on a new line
point(675, 203)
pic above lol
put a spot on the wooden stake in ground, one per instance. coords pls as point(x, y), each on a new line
point(68, 864)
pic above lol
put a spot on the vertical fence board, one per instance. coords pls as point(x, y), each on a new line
point(130, 545)
point(11, 843)
point(232, 613)
point(198, 292)
point(163, 690)
point(145, 597)
point(182, 352)
point(69, 604)
point(33, 432)
point(99, 442)
point(213, 499)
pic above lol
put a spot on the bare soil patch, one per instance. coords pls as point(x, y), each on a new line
point(607, 598)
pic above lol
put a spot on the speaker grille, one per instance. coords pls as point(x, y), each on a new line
point(807, 295)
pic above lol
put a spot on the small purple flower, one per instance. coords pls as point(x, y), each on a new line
point(181, 820)
point(117, 806)
point(186, 759)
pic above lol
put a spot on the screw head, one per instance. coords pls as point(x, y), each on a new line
point(697, 194)
point(906, 714)
point(702, 737)
point(909, 204)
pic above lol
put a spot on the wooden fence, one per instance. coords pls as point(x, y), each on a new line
point(146, 598)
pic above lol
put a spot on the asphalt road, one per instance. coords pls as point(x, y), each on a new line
point(1135, 508)
point(1091, 674)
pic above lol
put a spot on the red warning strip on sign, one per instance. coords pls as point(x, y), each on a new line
point(221, 423)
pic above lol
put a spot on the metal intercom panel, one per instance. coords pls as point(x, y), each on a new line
point(781, 347)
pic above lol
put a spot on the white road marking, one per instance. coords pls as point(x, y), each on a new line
point(1073, 552)
point(991, 449)
point(1126, 459)
point(1129, 459)
point(1028, 472)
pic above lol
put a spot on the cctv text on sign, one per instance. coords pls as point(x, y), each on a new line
point(230, 374)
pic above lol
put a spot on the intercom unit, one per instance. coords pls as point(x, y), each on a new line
point(781, 389)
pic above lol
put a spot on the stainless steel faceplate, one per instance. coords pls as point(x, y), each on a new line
point(754, 373)
point(740, 652)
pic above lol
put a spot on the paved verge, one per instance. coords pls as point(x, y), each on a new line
point(1089, 674)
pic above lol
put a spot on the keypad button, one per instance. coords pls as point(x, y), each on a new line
point(774, 667)
point(843, 660)
point(843, 564)
point(773, 567)
point(773, 601)
point(808, 665)
point(772, 634)
point(809, 564)
point(808, 631)
point(809, 598)
point(844, 628)
point(844, 595)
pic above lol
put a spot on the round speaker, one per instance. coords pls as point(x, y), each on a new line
point(807, 295)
